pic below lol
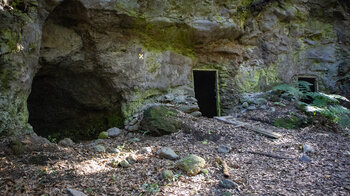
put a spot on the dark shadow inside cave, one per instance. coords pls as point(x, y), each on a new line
point(70, 96)
point(205, 91)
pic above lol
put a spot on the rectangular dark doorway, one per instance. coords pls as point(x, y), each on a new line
point(313, 87)
point(205, 88)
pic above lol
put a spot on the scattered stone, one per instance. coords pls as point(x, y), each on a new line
point(261, 101)
point(167, 175)
point(224, 149)
point(146, 150)
point(305, 159)
point(113, 132)
point(307, 149)
point(29, 143)
point(132, 128)
point(113, 150)
point(167, 153)
point(124, 163)
point(99, 148)
point(103, 135)
point(279, 104)
point(188, 108)
point(272, 109)
point(196, 114)
point(66, 142)
point(228, 184)
point(72, 192)
point(245, 105)
point(191, 164)
point(131, 160)
point(250, 108)
point(98, 141)
point(263, 107)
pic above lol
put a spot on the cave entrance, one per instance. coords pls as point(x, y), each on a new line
point(205, 87)
point(311, 82)
point(70, 95)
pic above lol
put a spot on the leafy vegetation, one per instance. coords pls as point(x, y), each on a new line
point(151, 188)
point(326, 105)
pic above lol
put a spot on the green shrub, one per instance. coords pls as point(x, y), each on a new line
point(327, 105)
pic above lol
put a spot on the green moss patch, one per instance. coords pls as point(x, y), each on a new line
point(159, 37)
point(137, 99)
point(103, 135)
point(292, 122)
point(160, 120)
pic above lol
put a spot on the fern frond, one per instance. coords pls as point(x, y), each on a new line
point(304, 86)
point(339, 109)
point(289, 89)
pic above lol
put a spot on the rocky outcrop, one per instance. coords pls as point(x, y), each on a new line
point(91, 65)
point(160, 120)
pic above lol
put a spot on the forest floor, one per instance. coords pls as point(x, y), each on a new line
point(52, 171)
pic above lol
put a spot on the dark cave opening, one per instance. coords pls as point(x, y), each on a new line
point(78, 106)
point(70, 96)
point(205, 87)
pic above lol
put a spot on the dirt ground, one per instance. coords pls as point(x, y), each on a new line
point(51, 172)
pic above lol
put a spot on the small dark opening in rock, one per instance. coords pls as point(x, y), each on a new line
point(205, 87)
point(312, 86)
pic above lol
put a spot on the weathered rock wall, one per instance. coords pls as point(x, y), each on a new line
point(101, 61)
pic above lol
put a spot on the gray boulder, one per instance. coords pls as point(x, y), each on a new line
point(305, 159)
point(196, 114)
point(167, 153)
point(223, 149)
point(130, 159)
point(113, 132)
point(188, 108)
point(66, 142)
point(308, 149)
point(99, 148)
point(124, 163)
point(250, 108)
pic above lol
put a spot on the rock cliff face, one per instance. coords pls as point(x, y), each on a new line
point(89, 65)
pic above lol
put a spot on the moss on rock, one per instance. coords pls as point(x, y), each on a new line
point(160, 120)
point(191, 164)
point(137, 99)
point(254, 80)
point(103, 135)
